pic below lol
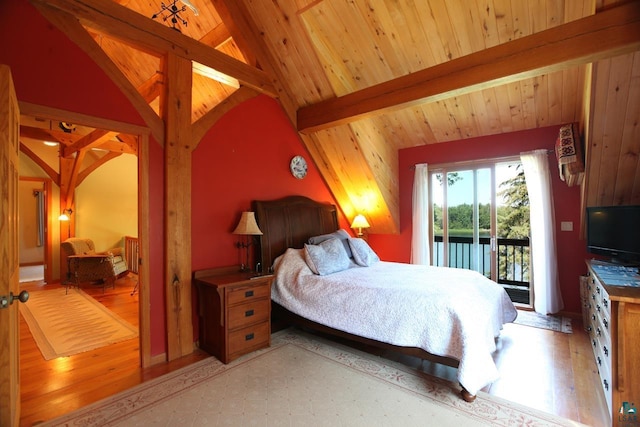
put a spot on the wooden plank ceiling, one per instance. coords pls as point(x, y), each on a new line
point(361, 80)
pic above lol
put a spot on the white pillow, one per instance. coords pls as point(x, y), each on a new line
point(363, 255)
point(327, 257)
point(338, 234)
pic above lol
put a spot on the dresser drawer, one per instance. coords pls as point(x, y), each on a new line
point(253, 311)
point(249, 292)
point(244, 340)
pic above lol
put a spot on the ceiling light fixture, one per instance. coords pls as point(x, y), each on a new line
point(50, 143)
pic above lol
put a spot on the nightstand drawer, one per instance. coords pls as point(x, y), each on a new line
point(243, 340)
point(246, 314)
point(240, 294)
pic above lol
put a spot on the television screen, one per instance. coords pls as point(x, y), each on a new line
point(614, 231)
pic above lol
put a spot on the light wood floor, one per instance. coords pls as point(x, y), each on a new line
point(550, 371)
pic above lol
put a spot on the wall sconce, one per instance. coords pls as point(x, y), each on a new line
point(360, 222)
point(66, 216)
point(247, 227)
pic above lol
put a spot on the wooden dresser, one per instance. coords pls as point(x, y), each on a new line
point(613, 313)
point(234, 313)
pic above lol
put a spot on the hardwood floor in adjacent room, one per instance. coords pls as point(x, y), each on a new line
point(51, 388)
point(550, 371)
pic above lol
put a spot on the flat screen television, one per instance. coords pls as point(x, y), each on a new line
point(614, 232)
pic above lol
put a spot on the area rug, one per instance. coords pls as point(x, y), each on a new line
point(31, 273)
point(66, 324)
point(537, 320)
point(303, 380)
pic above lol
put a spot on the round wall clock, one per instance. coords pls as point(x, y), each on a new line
point(298, 167)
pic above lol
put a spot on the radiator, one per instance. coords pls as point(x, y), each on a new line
point(132, 253)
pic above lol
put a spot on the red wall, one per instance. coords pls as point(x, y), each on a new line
point(570, 247)
point(244, 156)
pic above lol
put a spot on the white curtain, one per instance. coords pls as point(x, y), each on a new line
point(544, 267)
point(420, 237)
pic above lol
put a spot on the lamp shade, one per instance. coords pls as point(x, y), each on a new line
point(360, 222)
point(248, 225)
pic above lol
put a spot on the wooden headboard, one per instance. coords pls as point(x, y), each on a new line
point(289, 222)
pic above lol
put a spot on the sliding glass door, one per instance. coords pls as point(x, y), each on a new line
point(462, 211)
point(480, 221)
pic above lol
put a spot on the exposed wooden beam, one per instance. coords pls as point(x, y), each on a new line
point(38, 134)
point(205, 122)
point(68, 24)
point(55, 176)
point(176, 111)
point(57, 114)
point(609, 33)
point(141, 32)
point(151, 89)
point(93, 139)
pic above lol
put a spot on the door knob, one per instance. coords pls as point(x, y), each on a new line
point(7, 301)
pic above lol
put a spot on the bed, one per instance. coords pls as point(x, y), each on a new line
point(449, 316)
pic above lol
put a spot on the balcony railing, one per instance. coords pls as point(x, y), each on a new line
point(513, 261)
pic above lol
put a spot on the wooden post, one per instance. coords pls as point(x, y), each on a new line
point(177, 118)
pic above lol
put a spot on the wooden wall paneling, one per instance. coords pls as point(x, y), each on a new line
point(137, 65)
point(177, 117)
point(616, 98)
point(627, 187)
point(595, 149)
point(515, 105)
point(502, 108)
point(383, 208)
point(541, 99)
point(588, 39)
point(466, 24)
point(634, 97)
point(463, 116)
point(437, 118)
point(527, 91)
point(571, 88)
point(241, 22)
point(419, 129)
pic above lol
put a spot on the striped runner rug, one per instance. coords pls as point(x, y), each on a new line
point(66, 324)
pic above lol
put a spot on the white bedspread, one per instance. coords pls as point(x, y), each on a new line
point(445, 311)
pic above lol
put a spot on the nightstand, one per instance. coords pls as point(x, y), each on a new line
point(235, 312)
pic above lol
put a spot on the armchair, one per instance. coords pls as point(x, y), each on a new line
point(86, 265)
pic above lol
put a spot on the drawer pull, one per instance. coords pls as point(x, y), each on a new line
point(606, 303)
point(248, 337)
point(598, 307)
point(606, 323)
point(597, 289)
point(593, 317)
point(248, 313)
point(589, 329)
point(606, 384)
point(248, 294)
point(593, 342)
point(593, 297)
point(606, 350)
point(599, 361)
point(598, 332)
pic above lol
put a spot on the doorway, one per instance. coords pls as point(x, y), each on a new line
point(34, 198)
point(139, 353)
point(480, 221)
